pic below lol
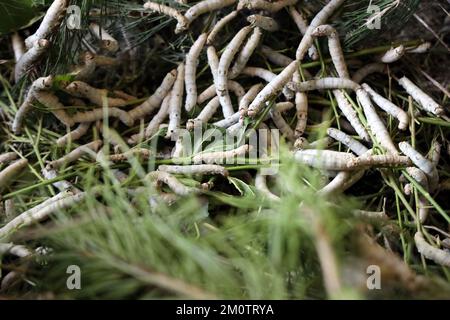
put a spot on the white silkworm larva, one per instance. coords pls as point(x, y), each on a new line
point(435, 152)
point(334, 46)
point(228, 122)
point(207, 113)
point(200, 8)
point(210, 92)
point(422, 180)
point(261, 185)
point(156, 98)
point(108, 42)
point(422, 163)
point(75, 154)
point(29, 58)
point(263, 22)
point(371, 215)
point(421, 48)
point(55, 106)
point(265, 75)
point(393, 54)
point(213, 61)
point(347, 110)
point(10, 209)
point(168, 11)
point(323, 84)
point(99, 114)
point(357, 147)
point(385, 160)
point(249, 96)
point(302, 25)
point(368, 69)
point(265, 5)
point(176, 100)
point(59, 202)
point(439, 256)
point(220, 25)
point(195, 169)
point(221, 156)
point(18, 46)
point(389, 107)
point(324, 159)
point(245, 54)
point(282, 124)
point(7, 157)
point(11, 172)
point(83, 90)
point(424, 100)
point(140, 153)
point(221, 78)
point(73, 135)
point(62, 185)
point(173, 183)
point(275, 57)
point(17, 250)
point(50, 21)
point(375, 123)
point(191, 71)
point(301, 106)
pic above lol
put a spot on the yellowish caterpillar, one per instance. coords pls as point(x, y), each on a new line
point(223, 68)
point(275, 57)
point(389, 107)
point(168, 11)
point(424, 100)
point(75, 154)
point(200, 8)
point(261, 185)
point(263, 22)
point(107, 41)
point(7, 157)
point(29, 58)
point(56, 107)
point(393, 54)
point(221, 156)
point(191, 71)
point(439, 256)
point(324, 159)
point(245, 54)
point(11, 172)
point(74, 135)
point(265, 5)
point(302, 25)
point(83, 90)
point(50, 22)
point(140, 153)
point(176, 99)
point(173, 183)
point(154, 101)
point(195, 169)
point(368, 69)
point(220, 25)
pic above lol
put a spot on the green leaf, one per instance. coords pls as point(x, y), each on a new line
point(16, 14)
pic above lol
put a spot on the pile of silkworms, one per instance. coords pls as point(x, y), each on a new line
point(229, 104)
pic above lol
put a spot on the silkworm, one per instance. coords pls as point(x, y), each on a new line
point(7, 157)
point(249, 96)
point(371, 215)
point(434, 154)
point(234, 129)
point(55, 106)
point(422, 163)
point(11, 172)
point(424, 100)
point(123, 95)
point(14, 249)
point(99, 114)
point(422, 180)
point(107, 41)
point(220, 25)
point(62, 185)
point(173, 183)
point(83, 90)
point(120, 175)
point(393, 54)
point(59, 202)
point(301, 106)
point(191, 71)
point(334, 46)
point(200, 8)
point(265, 5)
point(182, 22)
point(324, 159)
point(221, 156)
point(140, 153)
point(227, 122)
point(302, 25)
point(323, 84)
point(261, 185)
point(385, 160)
point(195, 169)
point(87, 69)
point(10, 209)
point(210, 92)
point(347, 110)
point(29, 58)
point(281, 124)
point(156, 98)
point(74, 135)
point(263, 22)
point(353, 144)
point(439, 256)
point(421, 48)
point(207, 113)
point(245, 53)
point(368, 69)
point(176, 99)
point(18, 46)
point(75, 154)
point(275, 57)
point(265, 75)
point(223, 68)
point(389, 107)
point(50, 22)
point(375, 123)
